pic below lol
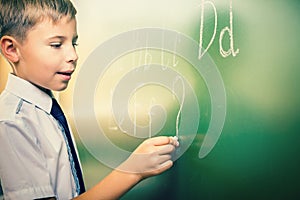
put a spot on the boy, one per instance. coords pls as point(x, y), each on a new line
point(38, 39)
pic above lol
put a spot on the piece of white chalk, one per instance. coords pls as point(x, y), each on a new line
point(176, 139)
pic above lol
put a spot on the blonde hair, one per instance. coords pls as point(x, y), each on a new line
point(19, 16)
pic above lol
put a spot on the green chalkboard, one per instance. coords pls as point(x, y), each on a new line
point(253, 45)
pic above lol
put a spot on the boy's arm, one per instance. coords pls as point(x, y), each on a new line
point(112, 186)
point(151, 158)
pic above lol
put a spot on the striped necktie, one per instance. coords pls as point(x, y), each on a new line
point(58, 114)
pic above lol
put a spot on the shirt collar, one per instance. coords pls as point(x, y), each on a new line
point(29, 92)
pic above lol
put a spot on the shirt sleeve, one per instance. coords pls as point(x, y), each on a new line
point(23, 169)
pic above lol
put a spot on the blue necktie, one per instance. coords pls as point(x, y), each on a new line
point(58, 114)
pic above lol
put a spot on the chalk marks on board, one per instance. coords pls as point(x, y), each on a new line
point(227, 29)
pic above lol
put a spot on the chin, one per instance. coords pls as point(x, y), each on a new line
point(61, 88)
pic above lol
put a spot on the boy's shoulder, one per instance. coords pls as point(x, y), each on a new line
point(9, 105)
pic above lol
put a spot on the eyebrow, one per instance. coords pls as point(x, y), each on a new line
point(63, 37)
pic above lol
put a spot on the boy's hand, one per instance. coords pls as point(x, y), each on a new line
point(151, 157)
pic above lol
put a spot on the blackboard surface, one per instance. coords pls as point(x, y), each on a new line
point(255, 47)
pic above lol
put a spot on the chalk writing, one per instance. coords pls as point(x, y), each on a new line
point(229, 30)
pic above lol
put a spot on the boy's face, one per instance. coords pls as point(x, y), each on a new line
point(47, 55)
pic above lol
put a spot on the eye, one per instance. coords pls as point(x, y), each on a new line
point(75, 44)
point(55, 45)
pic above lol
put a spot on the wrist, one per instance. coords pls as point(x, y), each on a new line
point(132, 177)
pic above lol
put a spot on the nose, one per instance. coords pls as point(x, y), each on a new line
point(72, 55)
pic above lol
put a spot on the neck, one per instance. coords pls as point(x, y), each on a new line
point(47, 91)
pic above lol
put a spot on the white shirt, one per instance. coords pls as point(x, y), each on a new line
point(34, 160)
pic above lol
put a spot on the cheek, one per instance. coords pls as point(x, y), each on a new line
point(45, 62)
point(41, 69)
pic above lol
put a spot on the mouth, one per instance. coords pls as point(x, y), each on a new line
point(66, 75)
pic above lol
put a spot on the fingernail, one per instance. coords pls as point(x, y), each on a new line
point(176, 139)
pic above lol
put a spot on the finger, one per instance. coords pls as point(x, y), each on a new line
point(162, 167)
point(174, 141)
point(164, 158)
point(162, 140)
point(165, 149)
point(159, 140)
point(166, 165)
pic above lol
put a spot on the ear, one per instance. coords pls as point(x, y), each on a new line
point(9, 49)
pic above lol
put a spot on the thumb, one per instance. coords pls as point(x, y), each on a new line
point(159, 140)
